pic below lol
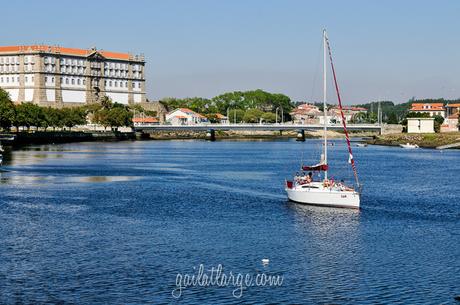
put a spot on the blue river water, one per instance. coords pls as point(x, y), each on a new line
point(126, 222)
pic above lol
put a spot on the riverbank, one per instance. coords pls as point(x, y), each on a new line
point(52, 137)
point(246, 134)
point(428, 140)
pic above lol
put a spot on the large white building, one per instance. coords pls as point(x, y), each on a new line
point(57, 76)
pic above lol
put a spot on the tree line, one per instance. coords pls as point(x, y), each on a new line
point(27, 115)
point(240, 106)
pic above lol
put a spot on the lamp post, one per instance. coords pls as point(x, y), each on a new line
point(282, 115)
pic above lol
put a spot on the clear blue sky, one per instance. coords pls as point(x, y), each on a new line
point(383, 49)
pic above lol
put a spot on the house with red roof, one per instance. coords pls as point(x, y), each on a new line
point(185, 116)
point(451, 119)
point(306, 114)
point(431, 108)
point(143, 121)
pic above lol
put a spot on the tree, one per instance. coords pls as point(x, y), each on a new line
point(119, 116)
point(28, 115)
point(7, 111)
point(392, 118)
point(73, 116)
point(438, 120)
point(236, 115)
point(269, 117)
point(252, 115)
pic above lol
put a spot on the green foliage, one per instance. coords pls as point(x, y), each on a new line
point(364, 117)
point(7, 112)
point(417, 115)
point(269, 117)
point(392, 118)
point(438, 120)
point(236, 115)
point(256, 99)
point(252, 115)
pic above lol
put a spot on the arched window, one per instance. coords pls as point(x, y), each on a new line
point(110, 83)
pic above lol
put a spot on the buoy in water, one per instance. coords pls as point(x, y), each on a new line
point(265, 261)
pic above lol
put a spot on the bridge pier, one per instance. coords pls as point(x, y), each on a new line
point(211, 135)
point(301, 135)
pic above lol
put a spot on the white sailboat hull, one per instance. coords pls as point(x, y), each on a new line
point(324, 197)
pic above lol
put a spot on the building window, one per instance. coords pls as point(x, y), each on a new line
point(78, 81)
point(26, 79)
point(46, 79)
point(66, 81)
point(7, 79)
point(84, 82)
point(139, 85)
point(110, 83)
point(52, 80)
point(126, 84)
point(32, 79)
point(116, 84)
point(73, 81)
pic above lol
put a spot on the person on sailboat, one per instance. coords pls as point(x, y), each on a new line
point(309, 178)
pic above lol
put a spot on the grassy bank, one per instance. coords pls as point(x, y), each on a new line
point(429, 140)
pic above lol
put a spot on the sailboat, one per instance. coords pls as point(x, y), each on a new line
point(327, 192)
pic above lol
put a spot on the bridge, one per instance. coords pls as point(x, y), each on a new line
point(300, 128)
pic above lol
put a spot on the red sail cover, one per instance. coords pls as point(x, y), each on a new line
point(318, 167)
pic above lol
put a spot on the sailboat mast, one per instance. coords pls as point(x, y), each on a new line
point(324, 99)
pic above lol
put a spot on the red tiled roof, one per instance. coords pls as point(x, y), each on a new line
point(220, 116)
point(145, 120)
point(420, 107)
point(453, 105)
point(62, 50)
point(190, 112)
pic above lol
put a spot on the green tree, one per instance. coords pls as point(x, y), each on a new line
point(73, 116)
point(28, 115)
point(392, 118)
point(119, 116)
point(269, 117)
point(7, 110)
point(438, 120)
point(236, 115)
point(252, 115)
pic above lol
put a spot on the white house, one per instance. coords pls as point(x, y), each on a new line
point(185, 116)
point(431, 108)
point(420, 125)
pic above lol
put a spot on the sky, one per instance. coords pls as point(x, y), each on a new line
point(383, 50)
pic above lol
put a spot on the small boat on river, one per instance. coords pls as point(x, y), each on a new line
point(327, 192)
point(409, 146)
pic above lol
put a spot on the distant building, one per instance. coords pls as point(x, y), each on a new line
point(145, 121)
point(420, 125)
point(451, 118)
point(349, 112)
point(306, 114)
point(222, 119)
point(59, 77)
point(431, 108)
point(185, 116)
